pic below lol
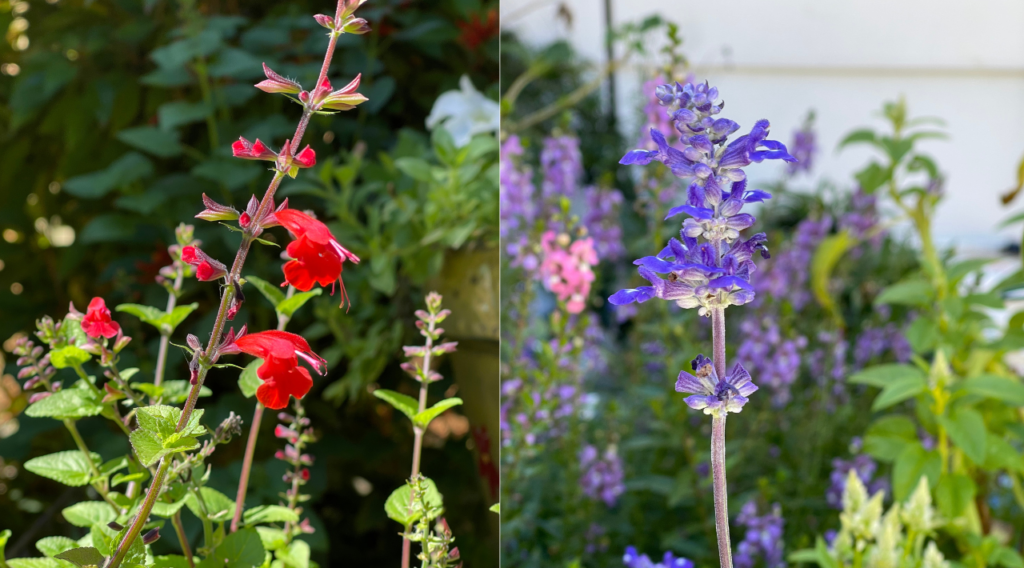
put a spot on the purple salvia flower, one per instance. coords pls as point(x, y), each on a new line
point(601, 477)
point(562, 165)
point(865, 468)
point(518, 209)
point(762, 539)
point(632, 559)
point(711, 394)
point(602, 222)
point(804, 147)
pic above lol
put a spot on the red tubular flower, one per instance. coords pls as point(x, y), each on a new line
point(306, 158)
point(317, 258)
point(257, 150)
point(97, 323)
point(206, 267)
point(280, 372)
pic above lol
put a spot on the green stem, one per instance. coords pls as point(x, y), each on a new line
point(186, 550)
point(165, 338)
point(98, 485)
point(204, 516)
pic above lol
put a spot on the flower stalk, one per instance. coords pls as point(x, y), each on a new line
point(205, 361)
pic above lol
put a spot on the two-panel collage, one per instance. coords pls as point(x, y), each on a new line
point(505, 283)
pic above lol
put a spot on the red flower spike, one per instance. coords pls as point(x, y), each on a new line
point(306, 158)
point(97, 323)
point(317, 258)
point(280, 372)
point(277, 84)
point(246, 150)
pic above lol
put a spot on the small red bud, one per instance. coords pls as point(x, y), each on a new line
point(244, 220)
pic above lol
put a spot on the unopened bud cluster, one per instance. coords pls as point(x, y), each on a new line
point(419, 355)
point(296, 430)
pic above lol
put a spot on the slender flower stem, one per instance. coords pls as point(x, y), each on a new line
point(97, 485)
point(718, 445)
point(165, 339)
point(182, 539)
point(417, 446)
point(227, 297)
point(254, 432)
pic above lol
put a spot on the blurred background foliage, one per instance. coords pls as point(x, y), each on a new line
point(119, 115)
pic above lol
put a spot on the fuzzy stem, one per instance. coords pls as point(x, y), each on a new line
point(721, 492)
point(254, 432)
point(718, 445)
point(417, 447)
point(186, 550)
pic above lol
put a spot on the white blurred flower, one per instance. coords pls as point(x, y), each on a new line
point(464, 113)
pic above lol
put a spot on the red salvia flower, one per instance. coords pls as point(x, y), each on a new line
point(257, 150)
point(317, 258)
point(206, 267)
point(280, 372)
point(306, 158)
point(478, 29)
point(97, 323)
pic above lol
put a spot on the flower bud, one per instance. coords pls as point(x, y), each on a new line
point(325, 21)
point(114, 526)
point(215, 212)
point(356, 26)
point(183, 233)
point(275, 83)
point(38, 396)
point(151, 536)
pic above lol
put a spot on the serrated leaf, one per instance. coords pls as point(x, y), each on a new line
point(271, 537)
point(66, 404)
point(167, 510)
point(70, 356)
point(150, 448)
point(69, 467)
point(171, 561)
point(272, 293)
point(422, 419)
point(264, 514)
point(84, 556)
point(399, 504)
point(898, 391)
point(34, 563)
point(248, 381)
point(217, 503)
point(53, 545)
point(89, 513)
point(291, 305)
point(136, 554)
point(295, 555)
point(882, 375)
point(241, 549)
point(407, 405)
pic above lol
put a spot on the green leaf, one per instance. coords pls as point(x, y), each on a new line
point(291, 305)
point(272, 293)
point(171, 561)
point(218, 505)
point(888, 436)
point(416, 168)
point(966, 429)
point(84, 556)
point(1004, 389)
point(161, 143)
point(912, 463)
point(66, 404)
point(177, 113)
point(883, 375)
point(296, 555)
point(34, 563)
point(899, 390)
point(69, 467)
point(909, 292)
point(168, 510)
point(136, 554)
point(872, 177)
point(163, 321)
point(398, 506)
point(147, 314)
point(265, 514)
point(422, 419)
point(248, 382)
point(1001, 455)
point(953, 494)
point(127, 169)
point(177, 315)
point(89, 513)
point(407, 405)
point(826, 257)
point(495, 508)
point(70, 356)
point(150, 448)
point(862, 136)
point(1007, 557)
point(271, 537)
point(53, 545)
point(241, 549)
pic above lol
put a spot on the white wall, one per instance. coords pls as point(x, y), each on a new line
point(960, 60)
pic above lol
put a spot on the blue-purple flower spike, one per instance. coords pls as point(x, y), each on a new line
point(632, 559)
point(712, 394)
point(706, 267)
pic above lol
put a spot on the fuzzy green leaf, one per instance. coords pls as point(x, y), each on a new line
point(272, 293)
point(89, 513)
point(899, 390)
point(84, 556)
point(399, 504)
point(265, 514)
point(422, 419)
point(69, 467)
point(248, 382)
point(407, 405)
point(70, 356)
point(68, 403)
point(291, 305)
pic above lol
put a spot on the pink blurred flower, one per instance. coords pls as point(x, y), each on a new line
point(566, 270)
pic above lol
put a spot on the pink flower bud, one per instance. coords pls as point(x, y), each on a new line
point(306, 158)
point(325, 21)
point(244, 219)
point(277, 84)
point(38, 396)
point(345, 98)
point(356, 26)
point(215, 211)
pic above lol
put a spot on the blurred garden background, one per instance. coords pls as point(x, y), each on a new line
point(118, 115)
point(886, 332)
